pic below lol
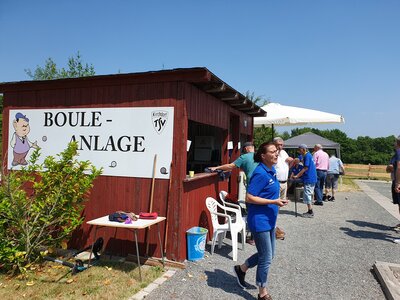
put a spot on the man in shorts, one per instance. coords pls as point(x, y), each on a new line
point(309, 177)
point(332, 178)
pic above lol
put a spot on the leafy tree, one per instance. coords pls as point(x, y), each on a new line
point(262, 134)
point(285, 135)
point(76, 68)
point(363, 150)
point(41, 205)
point(1, 124)
point(259, 100)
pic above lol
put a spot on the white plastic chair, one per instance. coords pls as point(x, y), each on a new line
point(220, 229)
point(241, 206)
point(222, 196)
point(242, 190)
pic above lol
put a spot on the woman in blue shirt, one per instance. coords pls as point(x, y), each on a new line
point(263, 205)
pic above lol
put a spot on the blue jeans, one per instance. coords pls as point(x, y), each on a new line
point(265, 244)
point(319, 186)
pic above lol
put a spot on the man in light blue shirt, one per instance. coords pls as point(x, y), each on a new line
point(335, 168)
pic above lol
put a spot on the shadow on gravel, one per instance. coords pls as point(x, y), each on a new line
point(289, 212)
point(225, 250)
point(228, 283)
point(363, 234)
point(370, 225)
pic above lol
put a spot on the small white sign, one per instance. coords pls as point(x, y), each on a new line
point(123, 141)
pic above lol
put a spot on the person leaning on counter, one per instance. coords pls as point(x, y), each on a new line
point(245, 161)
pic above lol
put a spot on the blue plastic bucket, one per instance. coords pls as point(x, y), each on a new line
point(196, 242)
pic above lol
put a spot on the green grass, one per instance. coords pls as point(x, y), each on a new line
point(105, 280)
point(348, 185)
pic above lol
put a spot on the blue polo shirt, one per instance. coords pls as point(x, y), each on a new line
point(393, 161)
point(309, 176)
point(295, 169)
point(247, 164)
point(264, 184)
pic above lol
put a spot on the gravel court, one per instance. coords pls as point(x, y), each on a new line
point(382, 187)
point(327, 257)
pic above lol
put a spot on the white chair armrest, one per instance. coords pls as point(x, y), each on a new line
point(232, 205)
point(242, 204)
point(237, 212)
point(223, 215)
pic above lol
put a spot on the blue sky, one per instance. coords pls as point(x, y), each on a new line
point(338, 56)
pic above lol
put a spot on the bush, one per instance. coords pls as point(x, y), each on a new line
point(41, 205)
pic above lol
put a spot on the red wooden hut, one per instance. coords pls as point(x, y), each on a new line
point(209, 117)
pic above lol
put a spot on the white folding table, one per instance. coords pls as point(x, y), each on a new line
point(134, 226)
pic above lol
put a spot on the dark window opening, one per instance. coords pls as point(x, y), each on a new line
point(205, 146)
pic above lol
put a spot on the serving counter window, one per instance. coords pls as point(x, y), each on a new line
point(205, 146)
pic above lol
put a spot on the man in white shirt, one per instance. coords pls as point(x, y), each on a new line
point(282, 174)
point(282, 166)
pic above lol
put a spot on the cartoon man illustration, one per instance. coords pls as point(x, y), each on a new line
point(19, 141)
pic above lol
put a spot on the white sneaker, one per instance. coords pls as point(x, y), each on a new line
point(397, 241)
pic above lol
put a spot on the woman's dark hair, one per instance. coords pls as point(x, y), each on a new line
point(262, 150)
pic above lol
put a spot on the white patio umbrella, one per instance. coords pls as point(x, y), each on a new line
point(283, 115)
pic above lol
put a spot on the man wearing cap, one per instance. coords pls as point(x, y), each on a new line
point(321, 160)
point(309, 177)
point(19, 141)
point(245, 161)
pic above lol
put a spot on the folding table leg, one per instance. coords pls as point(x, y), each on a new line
point(115, 237)
point(91, 249)
point(137, 254)
point(161, 247)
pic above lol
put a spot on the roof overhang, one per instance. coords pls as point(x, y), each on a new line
point(200, 77)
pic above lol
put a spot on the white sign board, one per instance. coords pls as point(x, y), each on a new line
point(123, 141)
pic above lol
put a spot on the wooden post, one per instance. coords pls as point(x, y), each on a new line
point(152, 183)
point(167, 210)
point(369, 171)
point(151, 201)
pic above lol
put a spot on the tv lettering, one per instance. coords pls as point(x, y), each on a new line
point(159, 119)
point(159, 123)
